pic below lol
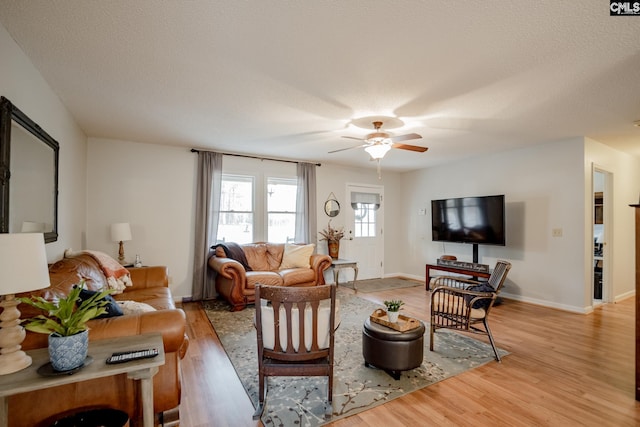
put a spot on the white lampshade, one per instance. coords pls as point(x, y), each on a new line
point(120, 232)
point(23, 263)
point(377, 151)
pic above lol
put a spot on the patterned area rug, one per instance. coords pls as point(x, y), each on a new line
point(374, 285)
point(300, 401)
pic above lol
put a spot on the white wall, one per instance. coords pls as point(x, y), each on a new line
point(544, 188)
point(152, 188)
point(22, 84)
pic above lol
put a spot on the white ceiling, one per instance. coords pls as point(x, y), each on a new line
point(285, 78)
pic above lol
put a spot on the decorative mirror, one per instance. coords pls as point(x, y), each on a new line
point(331, 206)
point(28, 175)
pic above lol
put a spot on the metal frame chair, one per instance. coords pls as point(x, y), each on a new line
point(463, 304)
point(295, 352)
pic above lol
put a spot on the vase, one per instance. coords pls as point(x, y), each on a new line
point(334, 248)
point(67, 353)
point(393, 316)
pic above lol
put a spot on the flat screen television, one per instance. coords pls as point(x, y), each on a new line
point(477, 220)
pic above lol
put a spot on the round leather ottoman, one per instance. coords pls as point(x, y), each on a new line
point(392, 350)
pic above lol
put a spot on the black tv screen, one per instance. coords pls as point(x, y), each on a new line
point(478, 220)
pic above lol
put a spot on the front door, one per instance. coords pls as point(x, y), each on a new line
point(364, 229)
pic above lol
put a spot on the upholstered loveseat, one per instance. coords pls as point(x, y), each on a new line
point(153, 311)
point(264, 263)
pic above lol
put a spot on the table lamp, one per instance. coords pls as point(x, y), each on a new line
point(23, 268)
point(121, 232)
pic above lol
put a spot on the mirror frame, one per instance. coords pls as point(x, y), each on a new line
point(9, 113)
point(327, 208)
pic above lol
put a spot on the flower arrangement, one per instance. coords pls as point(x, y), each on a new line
point(331, 234)
point(393, 305)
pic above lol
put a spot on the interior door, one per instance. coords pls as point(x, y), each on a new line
point(364, 224)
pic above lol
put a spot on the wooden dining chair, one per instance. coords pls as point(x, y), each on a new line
point(295, 330)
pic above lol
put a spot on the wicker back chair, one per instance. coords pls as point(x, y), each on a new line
point(295, 331)
point(464, 305)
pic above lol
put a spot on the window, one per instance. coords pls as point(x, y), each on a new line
point(250, 214)
point(281, 209)
point(236, 209)
point(365, 206)
point(365, 220)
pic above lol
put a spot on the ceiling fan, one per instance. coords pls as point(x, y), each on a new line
point(378, 143)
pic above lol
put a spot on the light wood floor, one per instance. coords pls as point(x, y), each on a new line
point(564, 370)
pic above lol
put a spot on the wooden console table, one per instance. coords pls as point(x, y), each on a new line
point(143, 370)
point(450, 269)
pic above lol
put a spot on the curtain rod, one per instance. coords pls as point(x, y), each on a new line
point(195, 150)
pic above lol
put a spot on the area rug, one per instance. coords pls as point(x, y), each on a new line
point(300, 401)
point(374, 285)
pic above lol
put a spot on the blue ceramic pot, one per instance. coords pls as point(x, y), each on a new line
point(67, 353)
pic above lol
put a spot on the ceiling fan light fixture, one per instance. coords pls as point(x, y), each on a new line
point(377, 151)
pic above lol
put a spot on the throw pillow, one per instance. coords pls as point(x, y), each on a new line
point(296, 256)
point(483, 303)
point(135, 307)
point(113, 309)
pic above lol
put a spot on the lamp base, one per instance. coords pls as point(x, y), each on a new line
point(14, 362)
point(12, 359)
point(121, 252)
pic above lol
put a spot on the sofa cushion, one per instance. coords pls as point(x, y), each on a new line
point(295, 256)
point(256, 254)
point(135, 307)
point(483, 303)
point(112, 308)
point(297, 276)
point(263, 278)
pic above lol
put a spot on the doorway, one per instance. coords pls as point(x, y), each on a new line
point(602, 218)
point(364, 229)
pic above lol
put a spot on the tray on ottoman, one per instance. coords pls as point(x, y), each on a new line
point(403, 324)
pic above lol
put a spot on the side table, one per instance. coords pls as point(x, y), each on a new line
point(339, 264)
point(143, 370)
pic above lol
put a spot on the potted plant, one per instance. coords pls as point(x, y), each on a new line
point(393, 309)
point(333, 237)
point(65, 322)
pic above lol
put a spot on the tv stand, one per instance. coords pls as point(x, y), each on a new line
point(475, 253)
point(474, 273)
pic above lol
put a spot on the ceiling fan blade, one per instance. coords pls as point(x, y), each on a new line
point(405, 137)
point(410, 147)
point(353, 137)
point(348, 148)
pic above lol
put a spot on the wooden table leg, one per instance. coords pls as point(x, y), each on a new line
point(146, 393)
point(355, 277)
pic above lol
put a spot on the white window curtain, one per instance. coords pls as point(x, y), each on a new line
point(209, 187)
point(306, 206)
point(365, 198)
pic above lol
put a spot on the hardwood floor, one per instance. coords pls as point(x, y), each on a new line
point(564, 369)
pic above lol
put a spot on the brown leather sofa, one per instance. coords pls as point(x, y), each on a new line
point(237, 285)
point(150, 286)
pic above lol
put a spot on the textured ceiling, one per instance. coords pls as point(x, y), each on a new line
point(285, 78)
